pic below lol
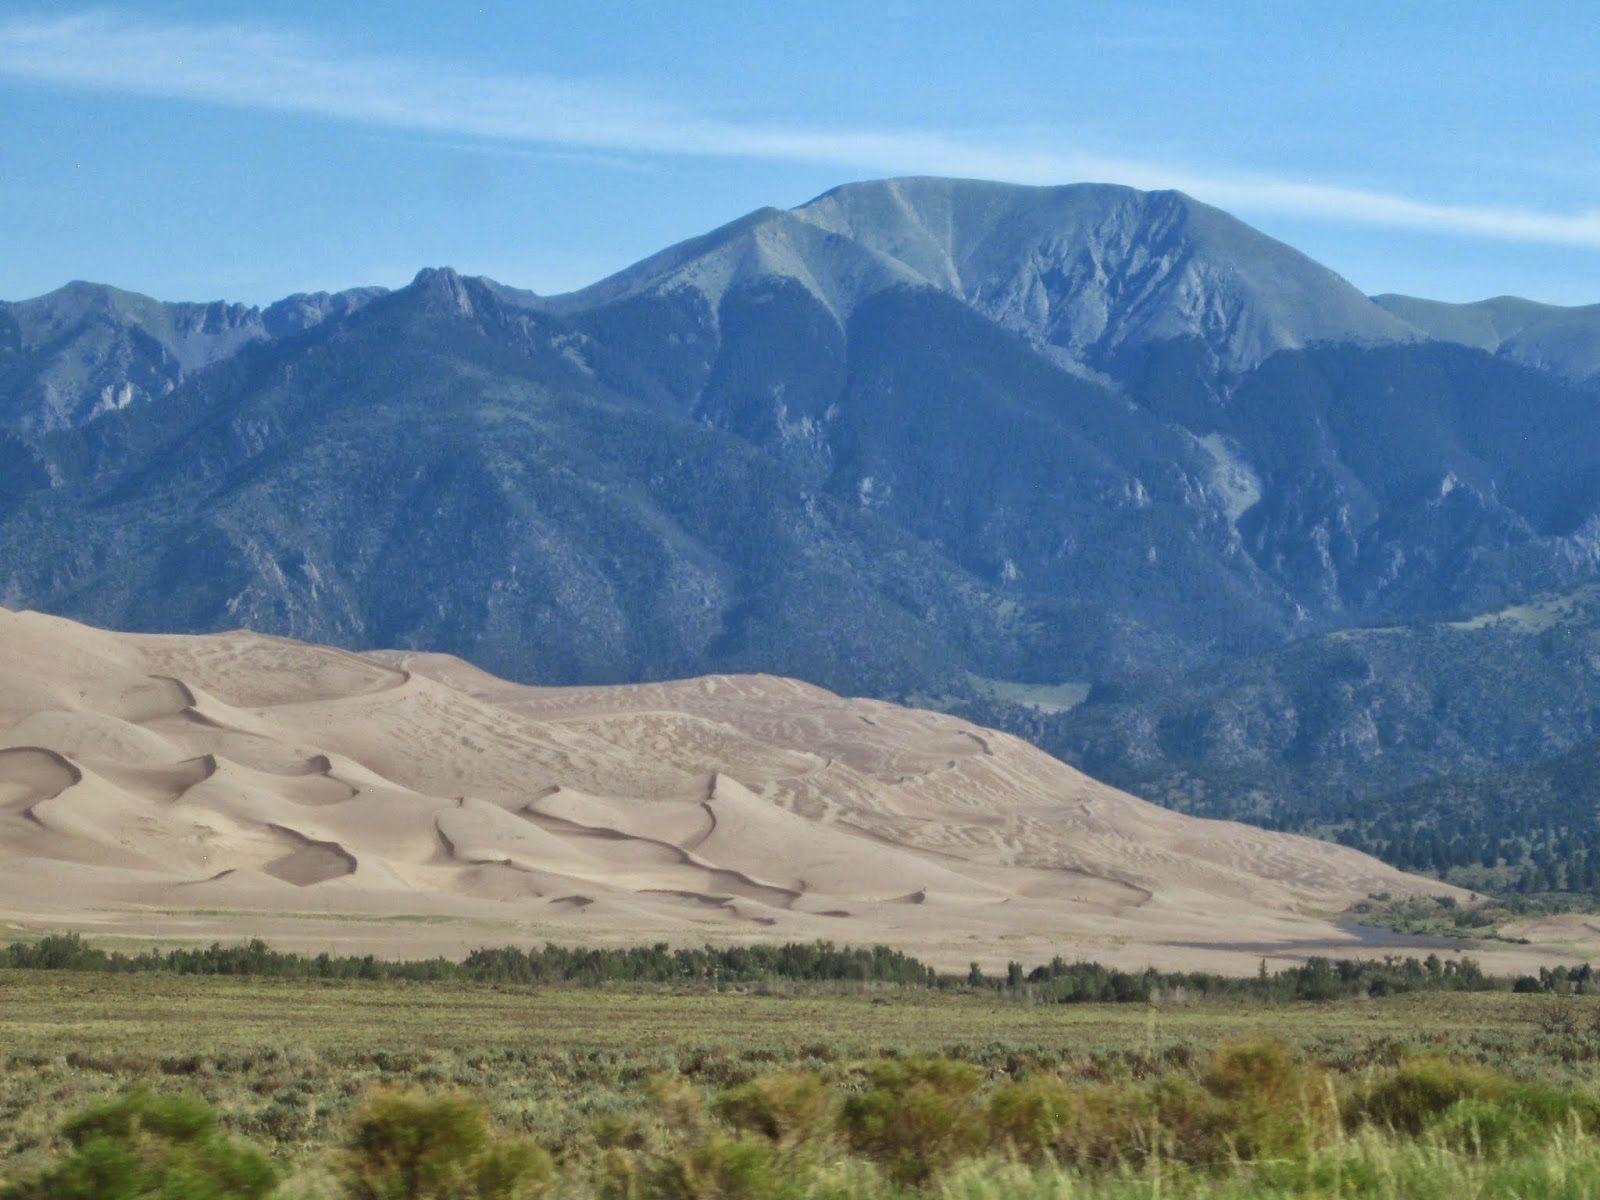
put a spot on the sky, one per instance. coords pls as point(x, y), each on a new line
point(247, 150)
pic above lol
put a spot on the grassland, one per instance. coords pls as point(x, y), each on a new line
point(286, 1063)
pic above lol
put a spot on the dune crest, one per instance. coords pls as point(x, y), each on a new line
point(175, 787)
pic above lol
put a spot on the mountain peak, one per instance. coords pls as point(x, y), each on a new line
point(443, 285)
point(436, 276)
point(764, 244)
point(1087, 268)
point(1083, 269)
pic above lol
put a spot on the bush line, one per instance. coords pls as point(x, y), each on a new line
point(1056, 982)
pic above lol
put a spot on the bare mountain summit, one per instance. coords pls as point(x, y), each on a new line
point(1084, 269)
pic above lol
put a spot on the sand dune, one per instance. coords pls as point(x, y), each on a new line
point(174, 788)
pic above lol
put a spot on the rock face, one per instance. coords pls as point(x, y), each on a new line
point(1093, 270)
point(981, 445)
point(259, 786)
point(87, 350)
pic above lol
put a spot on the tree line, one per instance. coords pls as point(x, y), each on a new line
point(802, 963)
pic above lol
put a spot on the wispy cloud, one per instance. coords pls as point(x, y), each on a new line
point(260, 68)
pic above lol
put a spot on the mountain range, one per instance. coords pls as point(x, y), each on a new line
point(1105, 467)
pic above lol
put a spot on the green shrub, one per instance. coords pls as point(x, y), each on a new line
point(916, 1116)
point(1409, 1098)
point(1254, 1101)
point(1519, 1119)
point(1027, 1118)
point(1486, 1127)
point(150, 1147)
point(1274, 1105)
point(182, 1120)
point(1043, 1120)
point(407, 1147)
point(775, 1118)
point(718, 1167)
point(679, 1103)
point(793, 1111)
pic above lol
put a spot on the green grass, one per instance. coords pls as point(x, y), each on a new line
point(1538, 615)
point(1051, 698)
point(287, 1063)
point(1435, 916)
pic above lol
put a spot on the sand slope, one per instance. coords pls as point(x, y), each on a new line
point(183, 787)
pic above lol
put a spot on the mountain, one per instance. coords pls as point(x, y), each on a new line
point(1461, 746)
point(183, 787)
point(445, 470)
point(1105, 467)
point(1551, 337)
point(1085, 270)
point(86, 349)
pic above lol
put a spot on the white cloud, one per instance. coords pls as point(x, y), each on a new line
point(259, 68)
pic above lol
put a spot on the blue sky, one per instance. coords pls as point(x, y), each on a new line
point(248, 150)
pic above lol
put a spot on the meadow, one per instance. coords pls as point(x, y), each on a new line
point(635, 1091)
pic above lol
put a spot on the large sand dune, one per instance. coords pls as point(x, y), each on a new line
point(172, 788)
